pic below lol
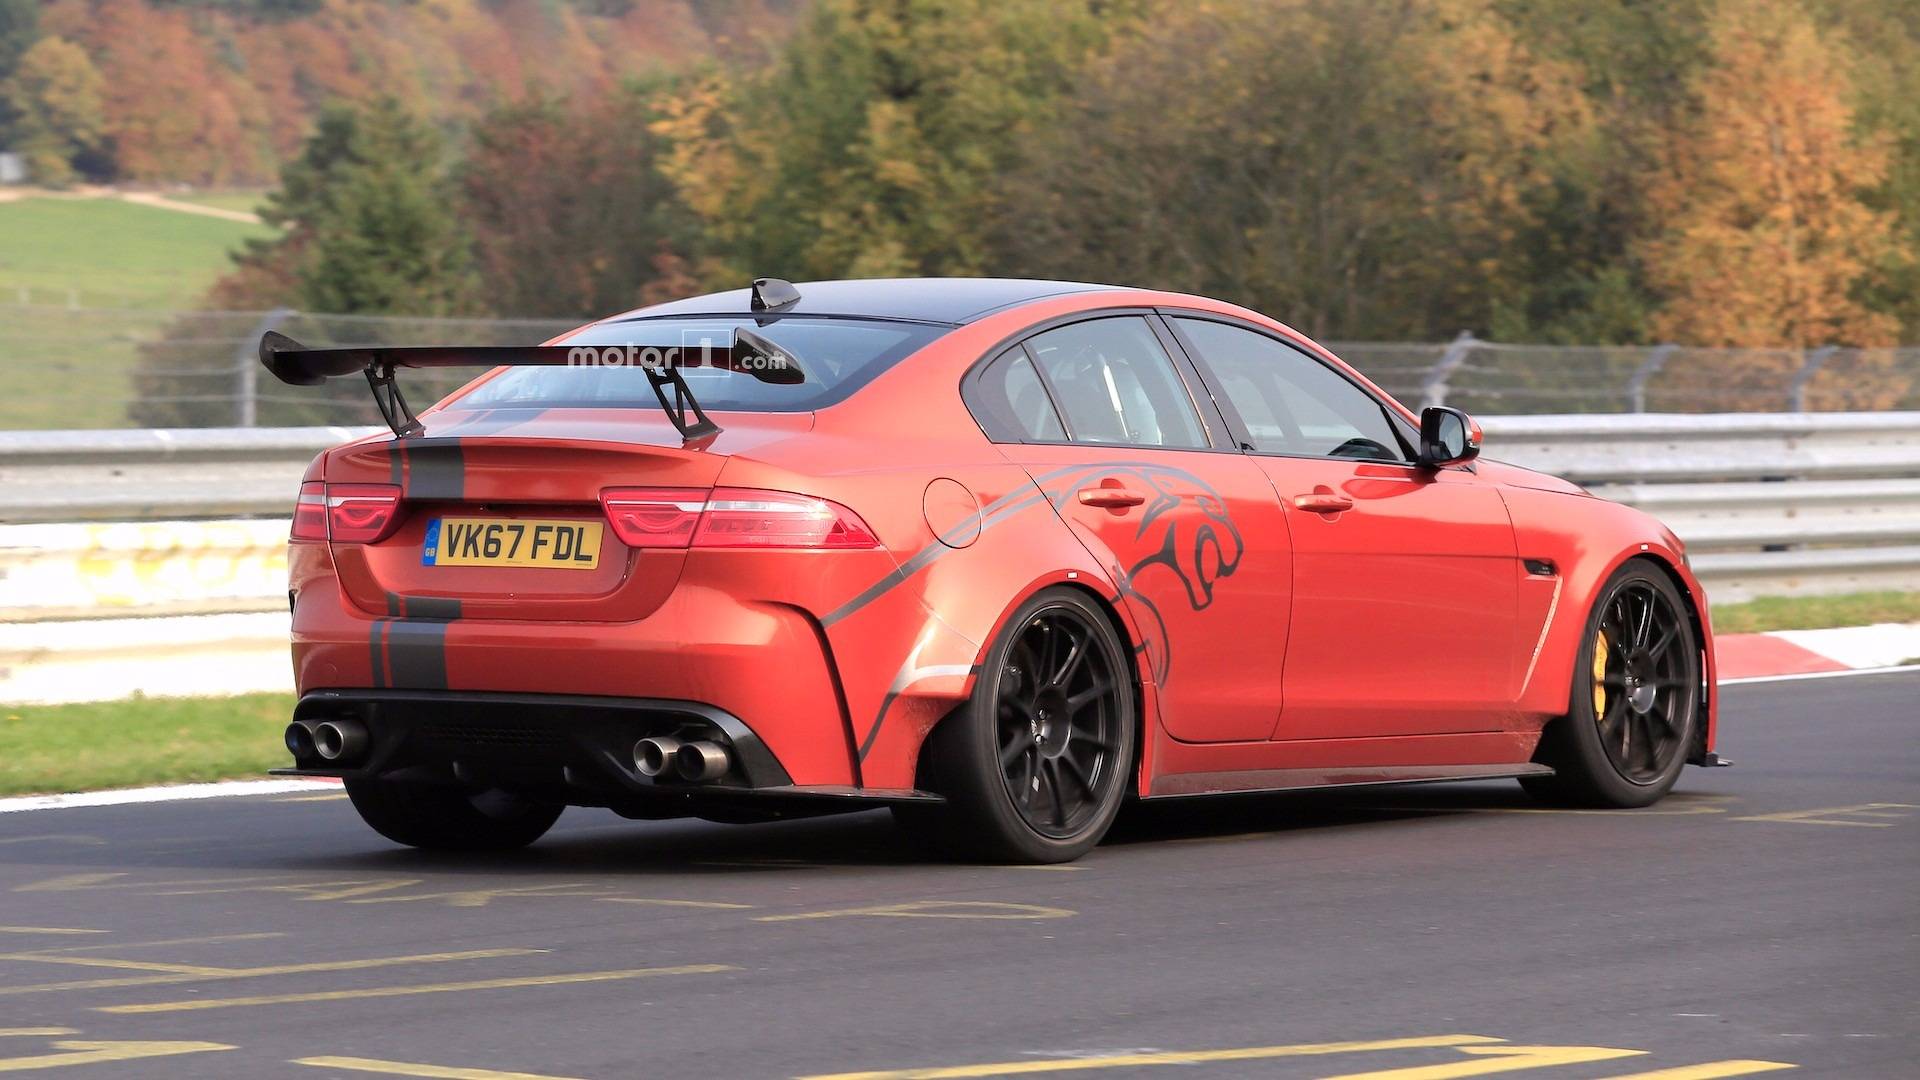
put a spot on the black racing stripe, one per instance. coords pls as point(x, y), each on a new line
point(397, 463)
point(436, 470)
point(393, 604)
point(419, 652)
point(432, 607)
point(880, 718)
point(873, 733)
point(376, 647)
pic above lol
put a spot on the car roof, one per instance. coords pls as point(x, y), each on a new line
point(950, 300)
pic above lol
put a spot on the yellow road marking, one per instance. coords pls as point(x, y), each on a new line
point(934, 909)
point(214, 939)
point(470, 898)
point(278, 969)
point(1833, 815)
point(1712, 1070)
point(48, 930)
point(69, 881)
point(1167, 1057)
point(1497, 1059)
point(9, 1032)
point(403, 991)
point(675, 903)
point(110, 962)
point(94, 1053)
point(314, 890)
point(403, 1068)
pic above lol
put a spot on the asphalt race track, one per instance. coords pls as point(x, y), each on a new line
point(1766, 913)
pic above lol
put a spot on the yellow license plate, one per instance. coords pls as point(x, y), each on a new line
point(563, 545)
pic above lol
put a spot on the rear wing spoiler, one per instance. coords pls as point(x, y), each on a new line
point(748, 353)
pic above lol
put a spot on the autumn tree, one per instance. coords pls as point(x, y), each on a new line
point(873, 144)
point(1767, 241)
point(570, 211)
point(368, 220)
point(1360, 170)
point(54, 99)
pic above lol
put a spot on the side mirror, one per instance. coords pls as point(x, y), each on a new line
point(1447, 437)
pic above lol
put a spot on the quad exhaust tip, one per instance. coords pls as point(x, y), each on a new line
point(695, 761)
point(299, 739)
point(654, 756)
point(700, 761)
point(339, 740)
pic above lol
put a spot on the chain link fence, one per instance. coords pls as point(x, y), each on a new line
point(78, 367)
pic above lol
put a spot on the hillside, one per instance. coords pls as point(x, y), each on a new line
point(124, 265)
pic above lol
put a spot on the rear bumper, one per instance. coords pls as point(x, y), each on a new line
point(767, 664)
point(574, 749)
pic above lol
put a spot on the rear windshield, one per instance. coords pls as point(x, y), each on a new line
point(839, 356)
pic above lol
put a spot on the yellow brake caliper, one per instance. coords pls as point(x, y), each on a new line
point(1600, 650)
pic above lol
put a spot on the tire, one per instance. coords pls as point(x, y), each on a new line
point(1055, 702)
point(1635, 710)
point(445, 818)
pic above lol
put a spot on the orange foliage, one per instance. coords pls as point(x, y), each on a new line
point(1766, 239)
point(210, 95)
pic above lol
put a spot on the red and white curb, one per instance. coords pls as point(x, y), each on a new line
point(169, 793)
point(1815, 652)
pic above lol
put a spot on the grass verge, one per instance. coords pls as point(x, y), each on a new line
point(1815, 612)
point(108, 744)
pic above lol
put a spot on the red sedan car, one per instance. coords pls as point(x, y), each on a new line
point(998, 554)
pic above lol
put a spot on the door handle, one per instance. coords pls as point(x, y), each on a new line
point(1113, 498)
point(1323, 502)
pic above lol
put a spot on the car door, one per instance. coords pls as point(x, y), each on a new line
point(1106, 424)
point(1405, 579)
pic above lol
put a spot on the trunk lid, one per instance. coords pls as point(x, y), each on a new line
point(523, 470)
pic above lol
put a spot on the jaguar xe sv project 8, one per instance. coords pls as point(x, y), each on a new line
point(997, 554)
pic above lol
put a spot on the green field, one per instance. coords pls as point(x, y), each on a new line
point(123, 266)
point(1816, 612)
point(52, 748)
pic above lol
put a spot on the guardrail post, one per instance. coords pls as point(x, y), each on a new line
point(1656, 359)
point(1797, 396)
point(1433, 389)
point(246, 365)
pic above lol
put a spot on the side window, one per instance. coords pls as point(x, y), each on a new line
point(1011, 402)
point(1291, 402)
point(1116, 384)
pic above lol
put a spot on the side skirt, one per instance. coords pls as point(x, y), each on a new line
point(1192, 785)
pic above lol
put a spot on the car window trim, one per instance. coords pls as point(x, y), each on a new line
point(1219, 439)
point(1241, 432)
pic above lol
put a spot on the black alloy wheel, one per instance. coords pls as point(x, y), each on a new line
point(1637, 700)
point(1035, 765)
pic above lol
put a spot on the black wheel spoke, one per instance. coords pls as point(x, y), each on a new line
point(1072, 767)
point(1052, 774)
point(1022, 742)
point(1088, 696)
point(1076, 655)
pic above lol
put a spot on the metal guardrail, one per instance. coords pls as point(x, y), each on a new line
point(1768, 503)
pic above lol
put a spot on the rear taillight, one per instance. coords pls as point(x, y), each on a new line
point(346, 513)
point(310, 513)
point(732, 518)
point(654, 517)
